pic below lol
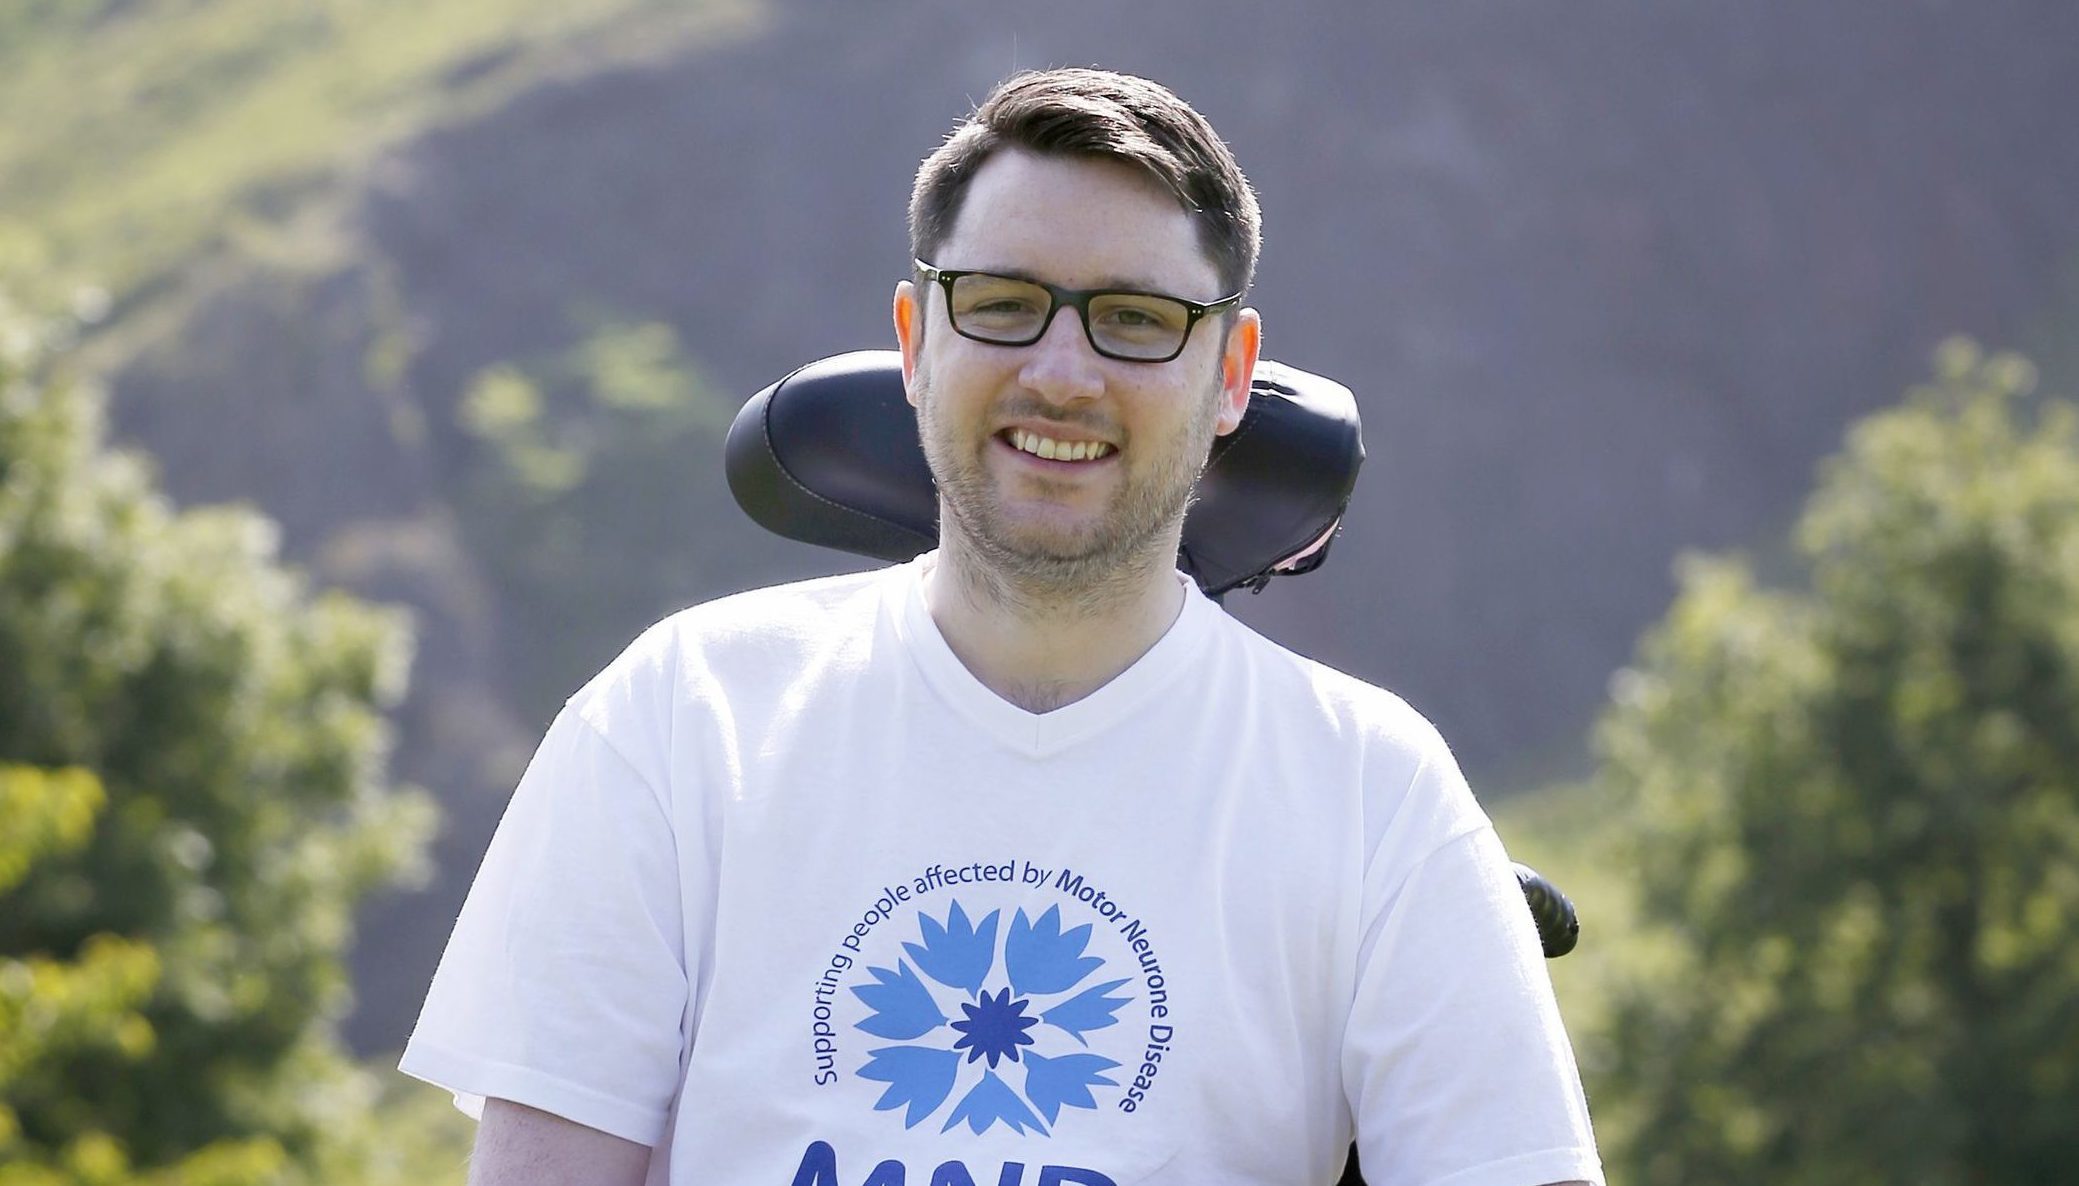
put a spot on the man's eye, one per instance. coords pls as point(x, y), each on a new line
point(1139, 317)
point(1002, 306)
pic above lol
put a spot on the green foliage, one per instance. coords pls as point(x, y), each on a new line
point(51, 1008)
point(191, 772)
point(1857, 814)
point(586, 467)
point(55, 1013)
point(160, 126)
point(421, 1138)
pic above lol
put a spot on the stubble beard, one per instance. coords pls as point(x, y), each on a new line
point(1096, 568)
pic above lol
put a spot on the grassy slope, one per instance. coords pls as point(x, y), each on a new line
point(135, 133)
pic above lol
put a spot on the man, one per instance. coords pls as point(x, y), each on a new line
point(1020, 863)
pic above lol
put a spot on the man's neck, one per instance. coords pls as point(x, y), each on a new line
point(1042, 648)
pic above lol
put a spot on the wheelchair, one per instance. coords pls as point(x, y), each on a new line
point(829, 455)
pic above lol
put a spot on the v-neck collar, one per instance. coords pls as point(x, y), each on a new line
point(1039, 735)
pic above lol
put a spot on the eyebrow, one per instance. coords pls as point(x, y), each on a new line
point(1105, 284)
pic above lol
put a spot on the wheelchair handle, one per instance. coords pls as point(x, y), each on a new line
point(1559, 927)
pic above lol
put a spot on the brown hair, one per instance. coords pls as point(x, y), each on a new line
point(1097, 113)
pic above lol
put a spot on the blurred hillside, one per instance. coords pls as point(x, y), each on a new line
point(1608, 278)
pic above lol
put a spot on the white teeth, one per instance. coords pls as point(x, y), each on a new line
point(1053, 450)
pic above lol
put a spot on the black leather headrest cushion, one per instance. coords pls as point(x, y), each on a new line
point(829, 455)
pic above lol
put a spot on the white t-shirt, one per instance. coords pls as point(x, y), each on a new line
point(788, 892)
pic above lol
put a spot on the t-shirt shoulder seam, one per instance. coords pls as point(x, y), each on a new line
point(584, 718)
point(1450, 840)
point(1468, 824)
point(1350, 695)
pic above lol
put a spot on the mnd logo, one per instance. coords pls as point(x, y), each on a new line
point(1004, 1025)
point(960, 1012)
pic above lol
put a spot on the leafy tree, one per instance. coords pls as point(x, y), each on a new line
point(191, 800)
point(1857, 813)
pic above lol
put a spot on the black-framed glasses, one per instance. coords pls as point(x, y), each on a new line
point(1119, 323)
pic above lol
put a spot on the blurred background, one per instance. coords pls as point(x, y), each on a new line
point(363, 372)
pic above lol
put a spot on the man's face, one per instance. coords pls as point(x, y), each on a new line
point(984, 409)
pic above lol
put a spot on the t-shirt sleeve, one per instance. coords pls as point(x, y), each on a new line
point(564, 985)
point(1457, 1068)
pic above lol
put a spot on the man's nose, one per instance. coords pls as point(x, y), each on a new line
point(1061, 367)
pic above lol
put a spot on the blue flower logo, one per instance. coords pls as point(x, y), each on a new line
point(953, 1027)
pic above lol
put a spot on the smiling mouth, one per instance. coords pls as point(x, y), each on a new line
point(1049, 449)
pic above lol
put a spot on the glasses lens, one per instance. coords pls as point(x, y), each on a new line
point(1134, 326)
point(998, 308)
point(1014, 312)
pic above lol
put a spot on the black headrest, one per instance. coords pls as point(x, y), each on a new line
point(829, 455)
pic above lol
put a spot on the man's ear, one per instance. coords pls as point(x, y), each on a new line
point(1237, 368)
point(909, 335)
